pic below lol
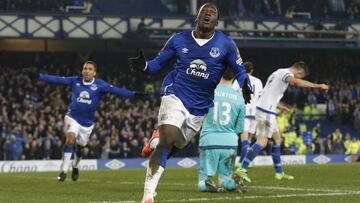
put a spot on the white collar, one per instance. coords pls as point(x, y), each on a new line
point(88, 83)
point(201, 42)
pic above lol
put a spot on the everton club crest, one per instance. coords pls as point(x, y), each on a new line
point(214, 52)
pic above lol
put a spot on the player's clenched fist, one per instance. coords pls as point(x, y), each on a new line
point(324, 87)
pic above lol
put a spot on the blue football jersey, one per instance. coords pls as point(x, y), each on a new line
point(85, 97)
point(198, 69)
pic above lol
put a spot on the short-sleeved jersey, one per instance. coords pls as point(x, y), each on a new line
point(257, 88)
point(224, 121)
point(274, 90)
point(198, 68)
point(85, 97)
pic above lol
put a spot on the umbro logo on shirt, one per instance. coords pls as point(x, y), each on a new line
point(185, 50)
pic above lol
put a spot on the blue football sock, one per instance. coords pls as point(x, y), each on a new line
point(68, 149)
point(160, 156)
point(276, 152)
point(244, 148)
point(252, 152)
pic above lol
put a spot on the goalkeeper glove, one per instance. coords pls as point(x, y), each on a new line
point(246, 91)
point(138, 63)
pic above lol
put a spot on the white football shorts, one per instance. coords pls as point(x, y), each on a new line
point(82, 134)
point(173, 112)
point(250, 124)
point(266, 124)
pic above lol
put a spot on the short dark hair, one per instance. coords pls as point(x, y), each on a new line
point(92, 63)
point(228, 74)
point(210, 4)
point(249, 66)
point(302, 65)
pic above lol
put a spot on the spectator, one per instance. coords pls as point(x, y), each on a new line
point(114, 149)
point(33, 150)
point(353, 147)
point(352, 10)
point(13, 149)
point(337, 8)
point(56, 149)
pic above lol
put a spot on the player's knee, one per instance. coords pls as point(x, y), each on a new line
point(244, 136)
point(70, 139)
point(70, 142)
point(277, 141)
point(202, 186)
point(277, 138)
point(168, 134)
point(262, 141)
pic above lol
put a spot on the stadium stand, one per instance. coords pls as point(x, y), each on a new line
point(307, 9)
point(31, 116)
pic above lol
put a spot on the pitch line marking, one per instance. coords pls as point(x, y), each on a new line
point(202, 199)
point(182, 184)
point(261, 197)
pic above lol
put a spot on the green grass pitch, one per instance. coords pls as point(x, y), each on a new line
point(313, 183)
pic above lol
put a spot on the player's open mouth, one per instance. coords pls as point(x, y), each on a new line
point(206, 20)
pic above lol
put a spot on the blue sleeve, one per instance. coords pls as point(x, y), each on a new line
point(236, 64)
point(56, 79)
point(164, 56)
point(120, 92)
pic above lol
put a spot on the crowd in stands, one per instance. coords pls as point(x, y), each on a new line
point(46, 5)
point(35, 5)
point(299, 138)
point(32, 117)
point(235, 8)
point(32, 113)
point(290, 8)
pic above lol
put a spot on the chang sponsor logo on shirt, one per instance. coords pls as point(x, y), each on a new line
point(198, 68)
point(84, 97)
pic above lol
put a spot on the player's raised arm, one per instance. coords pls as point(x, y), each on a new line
point(299, 70)
point(121, 92)
point(306, 84)
point(235, 62)
point(140, 64)
point(56, 79)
